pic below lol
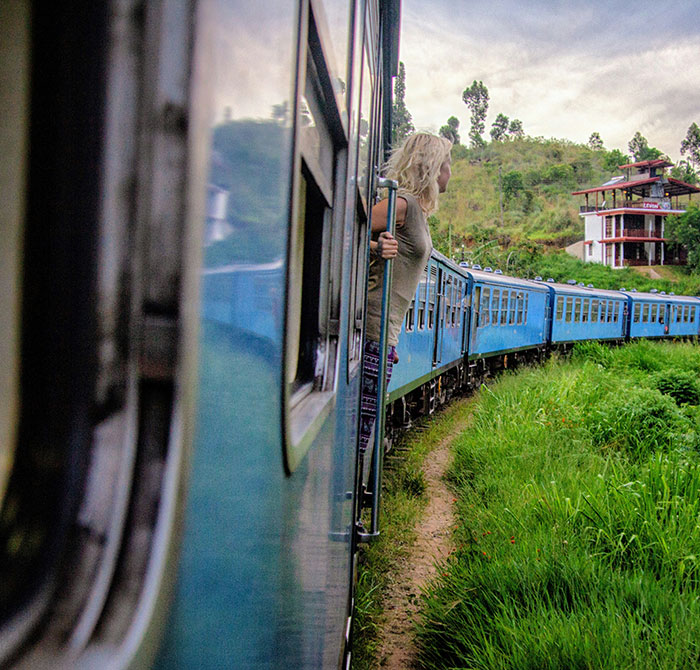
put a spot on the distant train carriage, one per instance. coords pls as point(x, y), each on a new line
point(662, 315)
point(507, 314)
point(432, 340)
point(585, 313)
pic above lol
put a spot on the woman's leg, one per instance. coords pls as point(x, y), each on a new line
point(368, 404)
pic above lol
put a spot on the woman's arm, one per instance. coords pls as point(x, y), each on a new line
point(386, 245)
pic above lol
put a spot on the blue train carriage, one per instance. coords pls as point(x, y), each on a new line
point(657, 314)
point(431, 343)
point(586, 313)
point(508, 320)
point(226, 145)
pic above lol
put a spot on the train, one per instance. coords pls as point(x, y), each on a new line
point(188, 189)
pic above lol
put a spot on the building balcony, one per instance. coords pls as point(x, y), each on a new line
point(644, 205)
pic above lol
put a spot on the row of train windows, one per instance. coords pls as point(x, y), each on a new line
point(582, 310)
point(453, 290)
point(502, 307)
point(653, 312)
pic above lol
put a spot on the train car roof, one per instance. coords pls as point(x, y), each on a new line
point(494, 278)
point(659, 297)
point(575, 289)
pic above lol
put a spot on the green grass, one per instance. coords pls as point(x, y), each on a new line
point(403, 500)
point(579, 508)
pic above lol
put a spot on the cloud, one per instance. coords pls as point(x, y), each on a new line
point(612, 68)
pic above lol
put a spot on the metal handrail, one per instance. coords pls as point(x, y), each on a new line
point(378, 454)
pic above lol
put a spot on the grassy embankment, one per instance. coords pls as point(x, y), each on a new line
point(579, 507)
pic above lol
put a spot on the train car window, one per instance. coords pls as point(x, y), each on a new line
point(686, 313)
point(677, 314)
point(495, 305)
point(521, 307)
point(485, 311)
point(616, 310)
point(595, 310)
point(478, 306)
point(645, 313)
point(569, 309)
point(527, 304)
point(505, 297)
point(432, 288)
point(422, 296)
point(637, 312)
point(334, 27)
point(512, 307)
point(582, 309)
point(365, 160)
point(448, 301)
point(314, 256)
point(662, 313)
point(410, 316)
point(560, 308)
point(654, 310)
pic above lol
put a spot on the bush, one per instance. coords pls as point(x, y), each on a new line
point(681, 385)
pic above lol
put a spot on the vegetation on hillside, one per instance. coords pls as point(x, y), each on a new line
point(578, 544)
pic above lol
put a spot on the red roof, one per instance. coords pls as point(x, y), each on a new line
point(657, 162)
point(680, 187)
point(620, 184)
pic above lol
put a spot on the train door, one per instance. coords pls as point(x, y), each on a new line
point(439, 317)
point(666, 317)
point(475, 312)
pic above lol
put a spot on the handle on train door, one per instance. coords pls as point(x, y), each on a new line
point(378, 452)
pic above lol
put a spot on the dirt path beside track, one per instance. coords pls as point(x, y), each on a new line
point(433, 543)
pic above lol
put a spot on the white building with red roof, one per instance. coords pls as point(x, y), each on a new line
point(625, 217)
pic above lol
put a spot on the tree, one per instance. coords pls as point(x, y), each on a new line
point(594, 141)
point(449, 131)
point(499, 129)
point(401, 120)
point(476, 98)
point(613, 159)
point(691, 145)
point(685, 229)
point(516, 128)
point(685, 172)
point(640, 149)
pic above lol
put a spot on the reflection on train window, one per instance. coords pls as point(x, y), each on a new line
point(365, 160)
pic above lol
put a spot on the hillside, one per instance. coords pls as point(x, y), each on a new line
point(536, 180)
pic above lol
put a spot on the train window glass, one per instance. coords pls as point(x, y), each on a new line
point(478, 307)
point(595, 309)
point(410, 316)
point(645, 313)
point(582, 312)
point(654, 309)
point(505, 295)
point(422, 296)
point(458, 301)
point(431, 296)
point(686, 313)
point(495, 304)
point(525, 308)
point(485, 308)
point(637, 312)
point(662, 313)
point(513, 307)
point(569, 309)
point(693, 313)
point(678, 314)
point(365, 160)
point(560, 308)
point(519, 308)
point(609, 313)
point(448, 301)
point(332, 17)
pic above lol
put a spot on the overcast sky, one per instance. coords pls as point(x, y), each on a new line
point(565, 69)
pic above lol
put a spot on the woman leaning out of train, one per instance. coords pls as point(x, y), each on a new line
point(421, 166)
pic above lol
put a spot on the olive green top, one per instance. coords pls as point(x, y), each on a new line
point(415, 245)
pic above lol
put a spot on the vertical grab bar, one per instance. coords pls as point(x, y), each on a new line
point(378, 454)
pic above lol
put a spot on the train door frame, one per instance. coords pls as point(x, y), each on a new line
point(439, 316)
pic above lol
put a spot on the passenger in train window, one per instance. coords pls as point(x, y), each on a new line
point(421, 166)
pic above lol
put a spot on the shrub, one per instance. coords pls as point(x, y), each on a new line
point(681, 385)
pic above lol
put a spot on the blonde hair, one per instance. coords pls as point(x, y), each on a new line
point(416, 163)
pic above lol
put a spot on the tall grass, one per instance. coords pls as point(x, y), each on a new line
point(579, 507)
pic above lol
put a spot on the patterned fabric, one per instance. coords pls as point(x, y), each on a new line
point(370, 379)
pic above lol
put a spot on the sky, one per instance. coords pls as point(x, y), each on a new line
point(565, 69)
